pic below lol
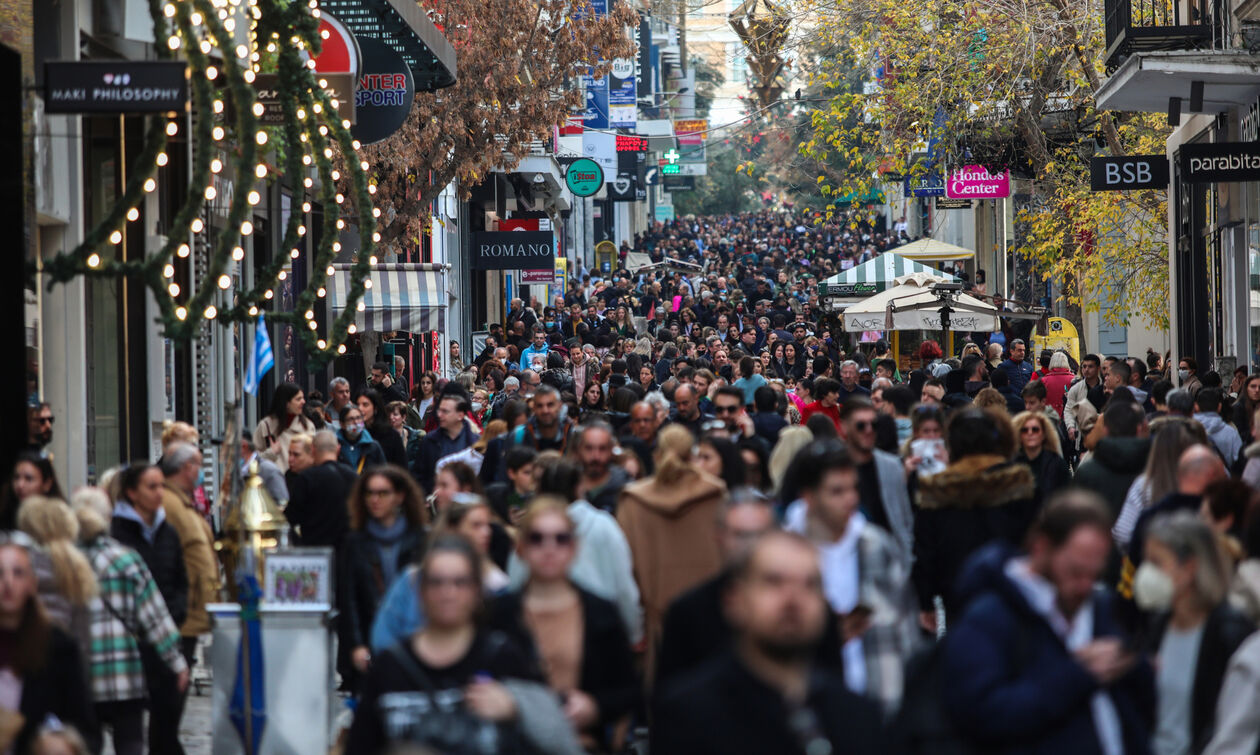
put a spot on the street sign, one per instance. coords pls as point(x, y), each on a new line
point(1221, 162)
point(116, 86)
point(382, 99)
point(584, 177)
point(513, 250)
point(1128, 173)
point(651, 176)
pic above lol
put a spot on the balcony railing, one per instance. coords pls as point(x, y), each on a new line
point(1137, 26)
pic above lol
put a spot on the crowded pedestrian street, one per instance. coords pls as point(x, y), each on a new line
point(532, 376)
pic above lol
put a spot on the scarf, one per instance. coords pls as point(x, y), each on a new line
point(388, 543)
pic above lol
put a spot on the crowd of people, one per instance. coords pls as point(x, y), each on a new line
point(675, 510)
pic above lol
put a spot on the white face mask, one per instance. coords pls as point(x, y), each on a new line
point(1183, 375)
point(1152, 588)
point(476, 406)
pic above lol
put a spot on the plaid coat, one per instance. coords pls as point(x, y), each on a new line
point(129, 610)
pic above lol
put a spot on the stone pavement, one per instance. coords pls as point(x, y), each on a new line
point(194, 729)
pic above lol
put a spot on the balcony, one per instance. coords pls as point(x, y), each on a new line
point(1141, 26)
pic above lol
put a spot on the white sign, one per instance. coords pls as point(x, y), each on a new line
point(602, 148)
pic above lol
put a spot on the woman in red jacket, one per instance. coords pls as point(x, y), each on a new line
point(1057, 381)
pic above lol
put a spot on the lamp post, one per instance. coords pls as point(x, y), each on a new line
point(946, 292)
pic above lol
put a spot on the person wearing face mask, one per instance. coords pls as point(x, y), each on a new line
point(358, 449)
point(1183, 582)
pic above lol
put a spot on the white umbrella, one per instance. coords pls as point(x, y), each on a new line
point(913, 305)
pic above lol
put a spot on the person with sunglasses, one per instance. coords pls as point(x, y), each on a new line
point(1038, 442)
point(577, 637)
point(39, 425)
point(885, 499)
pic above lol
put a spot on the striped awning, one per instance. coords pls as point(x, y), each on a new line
point(875, 276)
point(406, 297)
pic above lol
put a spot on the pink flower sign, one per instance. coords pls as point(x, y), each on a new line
point(976, 182)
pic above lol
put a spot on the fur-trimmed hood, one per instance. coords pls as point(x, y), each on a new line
point(976, 482)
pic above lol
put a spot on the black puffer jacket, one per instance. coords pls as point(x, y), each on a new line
point(164, 557)
point(976, 500)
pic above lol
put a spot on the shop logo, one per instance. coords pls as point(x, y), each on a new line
point(117, 79)
point(976, 182)
point(1220, 163)
point(1128, 173)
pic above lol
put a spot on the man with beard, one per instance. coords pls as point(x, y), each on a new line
point(765, 693)
point(39, 425)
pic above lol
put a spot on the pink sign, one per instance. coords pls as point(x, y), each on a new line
point(536, 276)
point(976, 182)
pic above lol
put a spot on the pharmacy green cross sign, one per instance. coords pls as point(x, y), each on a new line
point(671, 156)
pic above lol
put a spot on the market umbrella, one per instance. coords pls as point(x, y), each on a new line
point(248, 709)
point(874, 276)
point(913, 305)
point(931, 250)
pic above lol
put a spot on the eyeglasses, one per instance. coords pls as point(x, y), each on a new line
point(561, 539)
point(46, 420)
point(726, 409)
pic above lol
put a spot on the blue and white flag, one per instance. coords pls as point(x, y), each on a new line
point(263, 359)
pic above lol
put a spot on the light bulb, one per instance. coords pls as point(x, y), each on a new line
point(230, 24)
point(352, 328)
point(260, 170)
point(210, 193)
point(196, 225)
point(301, 230)
point(376, 236)
point(216, 165)
point(196, 18)
point(306, 160)
point(323, 130)
point(294, 253)
point(336, 175)
point(218, 106)
point(253, 197)
point(133, 214)
point(181, 313)
point(364, 164)
point(225, 281)
point(361, 306)
point(367, 284)
point(259, 109)
point(330, 270)
point(340, 224)
point(242, 51)
point(173, 43)
point(312, 325)
point(301, 113)
point(253, 311)
point(268, 294)
point(345, 123)
point(212, 73)
point(173, 289)
point(168, 10)
point(249, 75)
point(371, 188)
point(306, 207)
point(308, 182)
point(355, 143)
point(321, 292)
point(94, 260)
point(341, 349)
point(162, 159)
point(238, 253)
point(211, 312)
point(310, 314)
point(321, 344)
point(217, 133)
point(316, 106)
point(372, 260)
point(340, 198)
point(168, 271)
point(115, 237)
point(172, 128)
point(205, 46)
point(336, 246)
point(376, 212)
point(282, 275)
point(328, 152)
point(261, 138)
point(149, 184)
point(183, 251)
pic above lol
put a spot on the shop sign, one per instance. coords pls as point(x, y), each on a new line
point(340, 88)
point(942, 203)
point(386, 89)
point(976, 182)
point(631, 143)
point(851, 289)
point(624, 188)
point(596, 113)
point(339, 48)
point(664, 213)
point(679, 183)
point(118, 86)
point(1220, 163)
point(584, 177)
point(931, 185)
point(622, 94)
point(537, 276)
point(691, 128)
point(1128, 172)
point(513, 250)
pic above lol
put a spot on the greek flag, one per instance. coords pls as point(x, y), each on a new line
point(263, 359)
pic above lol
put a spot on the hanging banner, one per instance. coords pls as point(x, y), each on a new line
point(116, 86)
point(643, 57)
point(976, 182)
point(1220, 163)
point(1128, 172)
point(596, 113)
point(385, 92)
point(513, 250)
point(622, 102)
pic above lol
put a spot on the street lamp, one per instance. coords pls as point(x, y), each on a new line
point(946, 292)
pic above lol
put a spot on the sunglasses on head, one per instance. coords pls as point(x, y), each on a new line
point(541, 538)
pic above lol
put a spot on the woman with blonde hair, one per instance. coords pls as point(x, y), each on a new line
point(129, 614)
point(668, 522)
point(1038, 443)
point(51, 524)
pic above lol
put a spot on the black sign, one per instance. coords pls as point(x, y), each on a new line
point(1220, 163)
point(340, 88)
point(852, 289)
point(623, 188)
point(944, 203)
point(120, 86)
point(1127, 173)
point(383, 97)
point(513, 250)
point(677, 183)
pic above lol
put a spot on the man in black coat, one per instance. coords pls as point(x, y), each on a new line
point(318, 495)
point(765, 693)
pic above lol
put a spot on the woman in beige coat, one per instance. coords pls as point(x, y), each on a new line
point(272, 435)
point(668, 519)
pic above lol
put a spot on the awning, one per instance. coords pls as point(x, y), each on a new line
point(404, 26)
point(931, 250)
point(875, 275)
point(913, 305)
point(406, 297)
